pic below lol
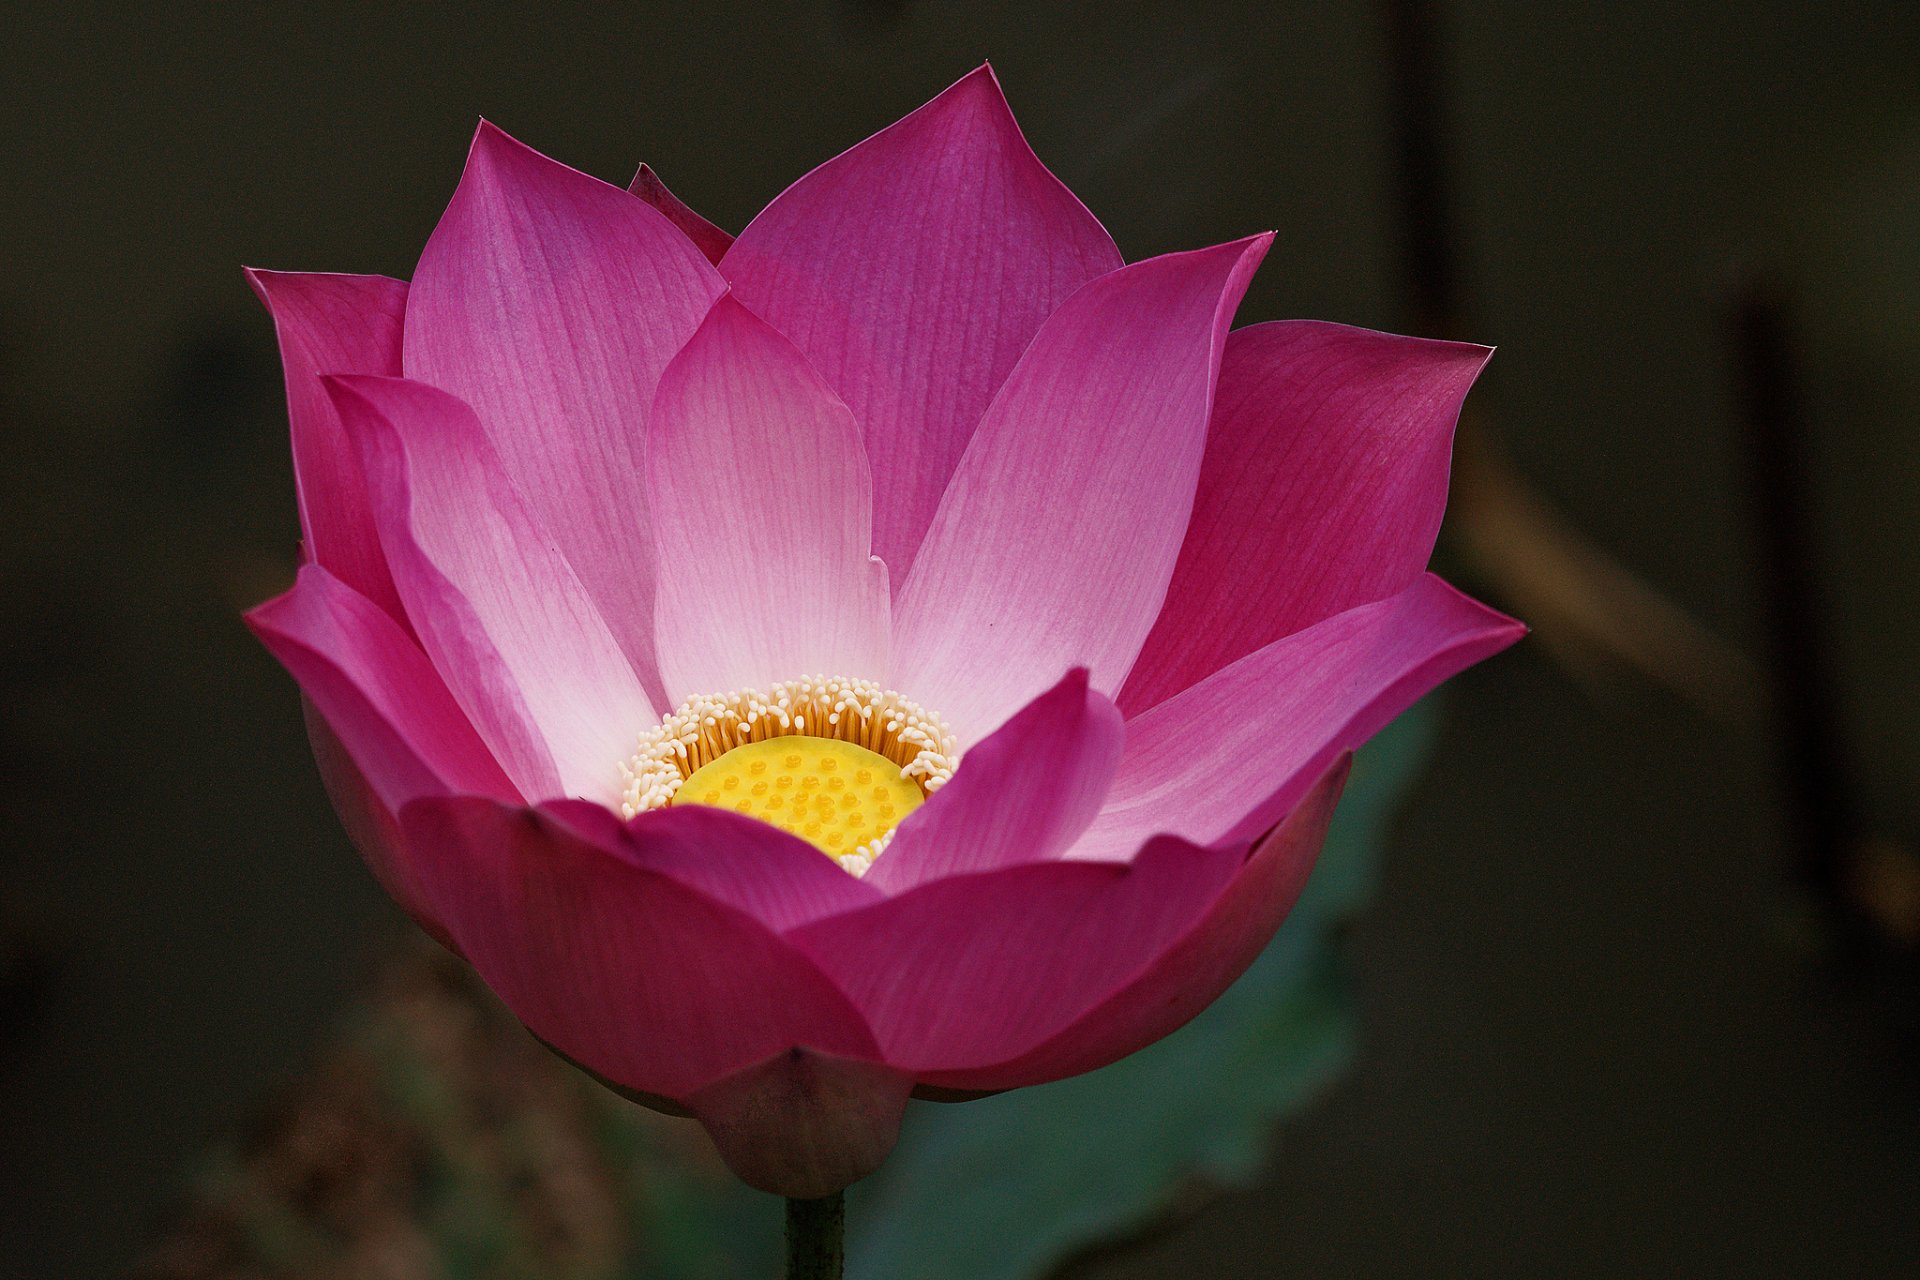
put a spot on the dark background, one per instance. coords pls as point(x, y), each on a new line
point(1605, 1032)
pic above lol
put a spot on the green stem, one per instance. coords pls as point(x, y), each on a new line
point(816, 1235)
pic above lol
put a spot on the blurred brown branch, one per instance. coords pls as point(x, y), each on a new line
point(1595, 616)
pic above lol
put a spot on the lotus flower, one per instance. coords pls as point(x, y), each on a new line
point(903, 649)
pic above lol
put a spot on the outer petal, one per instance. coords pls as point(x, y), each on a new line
point(370, 824)
point(383, 726)
point(334, 324)
point(1054, 544)
point(763, 517)
point(913, 270)
point(746, 864)
point(1194, 970)
point(1261, 730)
point(707, 238)
point(550, 302)
point(1323, 486)
point(377, 691)
point(652, 984)
point(974, 970)
point(500, 611)
point(1021, 795)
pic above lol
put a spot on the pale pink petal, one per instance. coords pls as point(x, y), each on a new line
point(334, 324)
point(1323, 486)
point(778, 879)
point(763, 518)
point(1022, 794)
point(1230, 755)
point(550, 302)
point(650, 983)
point(974, 970)
point(497, 608)
point(710, 240)
point(913, 270)
point(1054, 544)
point(1193, 971)
point(377, 691)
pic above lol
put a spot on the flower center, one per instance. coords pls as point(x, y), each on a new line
point(834, 761)
point(843, 799)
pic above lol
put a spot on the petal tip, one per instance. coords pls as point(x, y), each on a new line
point(980, 97)
point(495, 151)
point(1253, 248)
point(267, 283)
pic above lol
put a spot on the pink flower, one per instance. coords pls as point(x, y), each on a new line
point(912, 528)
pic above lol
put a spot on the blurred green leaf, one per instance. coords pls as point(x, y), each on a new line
point(1008, 1186)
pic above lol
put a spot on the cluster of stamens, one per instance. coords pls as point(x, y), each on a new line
point(836, 796)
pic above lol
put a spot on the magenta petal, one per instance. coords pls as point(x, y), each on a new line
point(1324, 482)
point(804, 1124)
point(1230, 755)
point(334, 324)
point(377, 691)
point(645, 981)
point(778, 879)
point(550, 302)
point(974, 970)
point(1022, 794)
point(710, 240)
point(762, 516)
point(501, 613)
point(370, 823)
point(1054, 544)
point(1192, 972)
point(913, 270)
point(383, 726)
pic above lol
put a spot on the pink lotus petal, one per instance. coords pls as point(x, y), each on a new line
point(913, 270)
point(778, 879)
point(377, 691)
point(1054, 544)
point(550, 302)
point(1323, 486)
point(710, 240)
point(646, 981)
point(975, 970)
point(564, 474)
point(762, 517)
point(383, 726)
point(507, 623)
point(1022, 794)
point(1194, 970)
point(334, 324)
point(1226, 758)
point(805, 1124)
point(371, 825)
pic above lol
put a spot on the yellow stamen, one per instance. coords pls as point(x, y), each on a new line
point(850, 798)
point(794, 751)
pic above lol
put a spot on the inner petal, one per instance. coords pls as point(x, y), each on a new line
point(834, 761)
